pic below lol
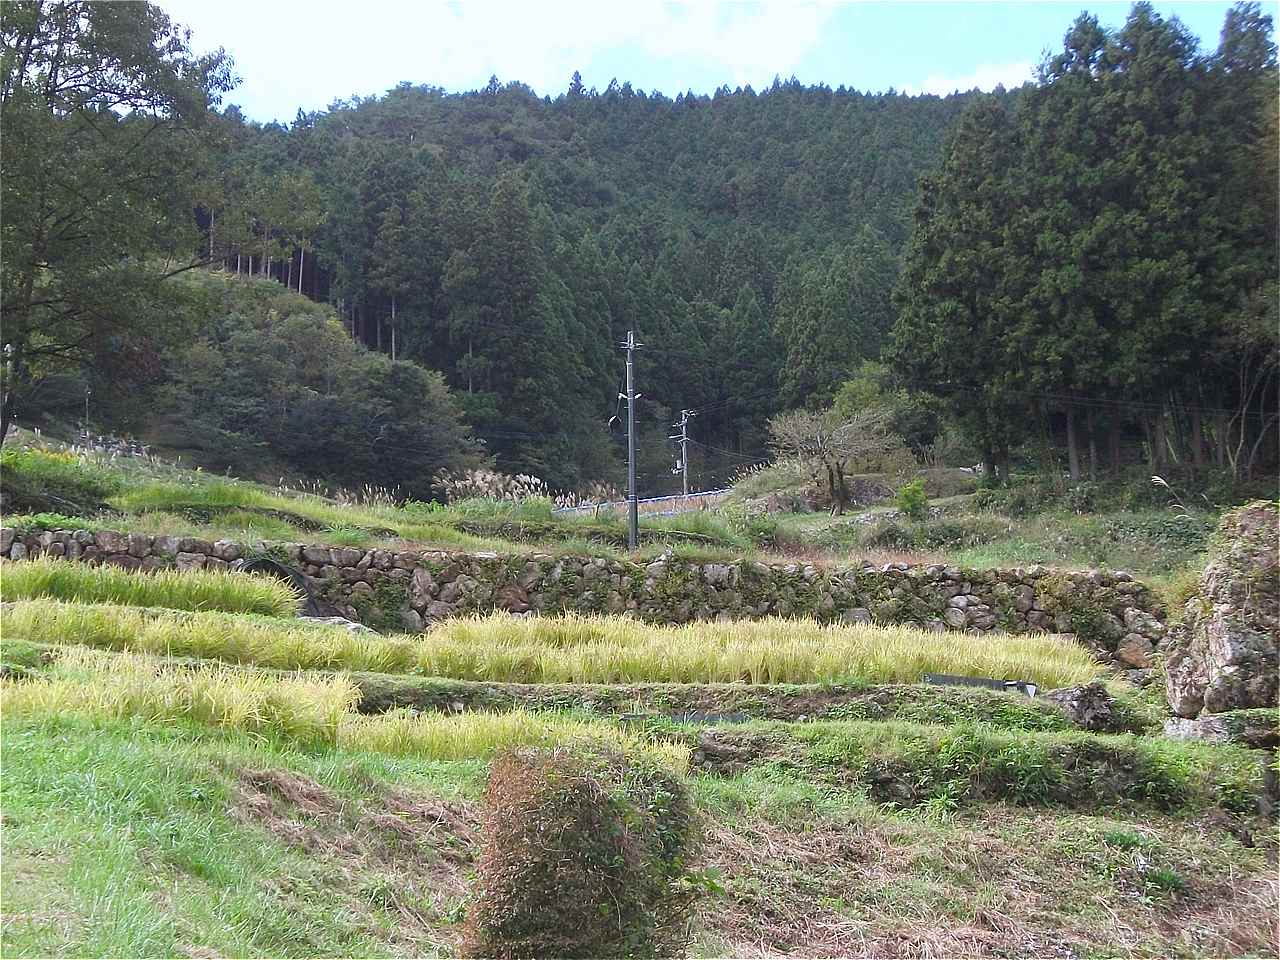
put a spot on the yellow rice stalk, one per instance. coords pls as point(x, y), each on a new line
point(223, 590)
point(482, 735)
point(572, 649)
point(120, 686)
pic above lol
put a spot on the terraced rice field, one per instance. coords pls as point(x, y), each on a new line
point(189, 771)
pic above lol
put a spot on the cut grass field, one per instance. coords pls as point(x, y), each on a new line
point(176, 590)
point(572, 649)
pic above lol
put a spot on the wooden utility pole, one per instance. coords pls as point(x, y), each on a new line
point(633, 521)
point(684, 447)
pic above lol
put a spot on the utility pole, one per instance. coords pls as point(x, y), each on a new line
point(633, 520)
point(684, 446)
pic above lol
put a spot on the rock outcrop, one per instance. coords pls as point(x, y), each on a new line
point(1225, 653)
point(1089, 707)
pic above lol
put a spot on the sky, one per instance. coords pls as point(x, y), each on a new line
point(293, 54)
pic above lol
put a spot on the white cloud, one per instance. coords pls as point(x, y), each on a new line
point(306, 53)
point(986, 76)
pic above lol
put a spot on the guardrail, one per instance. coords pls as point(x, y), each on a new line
point(653, 506)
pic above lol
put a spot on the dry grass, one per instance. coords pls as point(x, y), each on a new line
point(574, 649)
point(177, 590)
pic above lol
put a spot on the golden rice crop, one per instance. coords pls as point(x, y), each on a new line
point(177, 590)
point(206, 636)
point(119, 686)
point(306, 708)
point(575, 649)
point(483, 735)
point(572, 649)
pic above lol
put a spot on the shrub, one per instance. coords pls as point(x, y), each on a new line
point(583, 856)
point(38, 481)
point(912, 501)
point(36, 522)
point(888, 535)
point(960, 532)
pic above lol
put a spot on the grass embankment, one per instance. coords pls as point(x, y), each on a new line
point(51, 489)
point(939, 768)
point(307, 710)
point(571, 649)
point(175, 590)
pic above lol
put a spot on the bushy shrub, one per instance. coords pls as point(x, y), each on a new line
point(960, 532)
point(583, 856)
point(39, 481)
point(888, 535)
point(912, 501)
point(759, 526)
point(36, 522)
point(1024, 499)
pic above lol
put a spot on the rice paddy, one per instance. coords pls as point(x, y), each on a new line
point(571, 649)
point(306, 708)
point(177, 590)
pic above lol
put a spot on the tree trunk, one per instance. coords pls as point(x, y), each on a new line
point(1073, 452)
point(1089, 426)
point(1197, 439)
point(1159, 439)
point(393, 329)
point(989, 466)
point(1115, 442)
point(6, 413)
point(302, 259)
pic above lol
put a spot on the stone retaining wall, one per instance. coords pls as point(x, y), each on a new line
point(403, 590)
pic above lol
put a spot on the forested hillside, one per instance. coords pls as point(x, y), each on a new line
point(1010, 276)
point(510, 241)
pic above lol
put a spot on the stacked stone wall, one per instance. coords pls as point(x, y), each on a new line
point(1117, 615)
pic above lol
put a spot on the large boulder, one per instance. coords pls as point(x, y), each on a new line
point(1225, 654)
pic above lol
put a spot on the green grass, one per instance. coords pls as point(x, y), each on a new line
point(122, 840)
point(225, 591)
point(572, 649)
point(914, 765)
point(125, 838)
point(36, 480)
